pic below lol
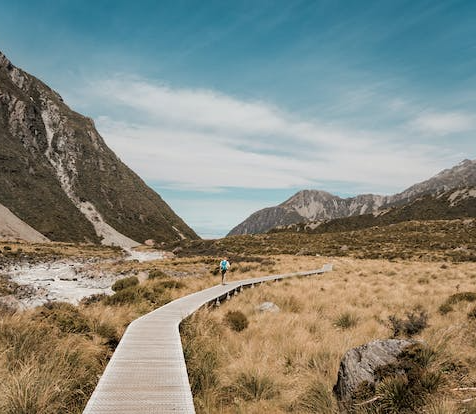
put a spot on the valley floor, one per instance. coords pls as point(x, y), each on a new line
point(51, 356)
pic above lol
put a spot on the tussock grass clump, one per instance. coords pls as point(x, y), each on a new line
point(404, 386)
point(125, 283)
point(472, 313)
point(172, 284)
point(65, 316)
point(448, 305)
point(415, 322)
point(346, 320)
point(316, 399)
point(236, 320)
point(200, 334)
point(254, 386)
point(43, 372)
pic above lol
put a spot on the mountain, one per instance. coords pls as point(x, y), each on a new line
point(58, 176)
point(447, 205)
point(317, 206)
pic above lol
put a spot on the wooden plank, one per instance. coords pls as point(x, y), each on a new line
point(147, 372)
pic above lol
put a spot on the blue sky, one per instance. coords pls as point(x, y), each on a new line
point(228, 107)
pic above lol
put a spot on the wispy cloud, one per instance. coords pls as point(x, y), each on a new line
point(444, 123)
point(206, 139)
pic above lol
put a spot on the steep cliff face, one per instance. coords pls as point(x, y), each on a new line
point(313, 206)
point(58, 175)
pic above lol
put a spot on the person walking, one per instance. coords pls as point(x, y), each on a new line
point(224, 266)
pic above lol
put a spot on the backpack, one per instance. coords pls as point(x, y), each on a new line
point(223, 265)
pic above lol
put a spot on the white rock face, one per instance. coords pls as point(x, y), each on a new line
point(63, 163)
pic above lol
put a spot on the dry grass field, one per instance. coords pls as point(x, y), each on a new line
point(288, 361)
point(51, 356)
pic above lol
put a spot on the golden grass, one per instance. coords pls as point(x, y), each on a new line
point(299, 348)
point(50, 359)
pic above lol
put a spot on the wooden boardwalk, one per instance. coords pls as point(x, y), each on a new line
point(147, 373)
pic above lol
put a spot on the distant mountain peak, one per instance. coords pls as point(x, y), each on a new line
point(316, 205)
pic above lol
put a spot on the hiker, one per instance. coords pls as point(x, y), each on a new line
point(224, 266)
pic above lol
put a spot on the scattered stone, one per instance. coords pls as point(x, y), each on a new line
point(359, 366)
point(149, 242)
point(177, 250)
point(344, 248)
point(268, 307)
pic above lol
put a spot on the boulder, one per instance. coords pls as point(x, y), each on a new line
point(360, 366)
point(268, 307)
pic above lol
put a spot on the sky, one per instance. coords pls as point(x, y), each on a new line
point(227, 107)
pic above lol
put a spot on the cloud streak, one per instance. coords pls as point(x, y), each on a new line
point(203, 139)
point(444, 123)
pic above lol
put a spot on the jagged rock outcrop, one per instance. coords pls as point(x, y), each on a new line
point(58, 175)
point(360, 367)
point(312, 206)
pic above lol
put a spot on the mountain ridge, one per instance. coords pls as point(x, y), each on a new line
point(58, 175)
point(316, 205)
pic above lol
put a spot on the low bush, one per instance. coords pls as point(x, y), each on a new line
point(448, 305)
point(65, 316)
point(346, 320)
point(472, 314)
point(236, 320)
point(125, 283)
point(90, 300)
point(172, 284)
point(125, 296)
point(157, 274)
point(415, 322)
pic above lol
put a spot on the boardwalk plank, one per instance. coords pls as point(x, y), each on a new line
point(147, 372)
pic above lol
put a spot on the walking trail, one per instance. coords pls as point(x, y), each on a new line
point(147, 373)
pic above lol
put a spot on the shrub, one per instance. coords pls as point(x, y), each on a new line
point(254, 386)
point(125, 283)
point(236, 320)
point(445, 308)
point(346, 320)
point(414, 323)
point(125, 296)
point(90, 300)
point(172, 284)
point(157, 274)
point(472, 313)
point(65, 316)
point(460, 297)
point(447, 305)
point(108, 332)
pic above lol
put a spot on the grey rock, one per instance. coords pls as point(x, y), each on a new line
point(268, 307)
point(360, 364)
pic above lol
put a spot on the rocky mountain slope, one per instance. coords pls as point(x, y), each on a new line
point(58, 175)
point(318, 206)
point(447, 205)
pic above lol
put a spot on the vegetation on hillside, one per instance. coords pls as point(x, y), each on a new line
point(453, 240)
